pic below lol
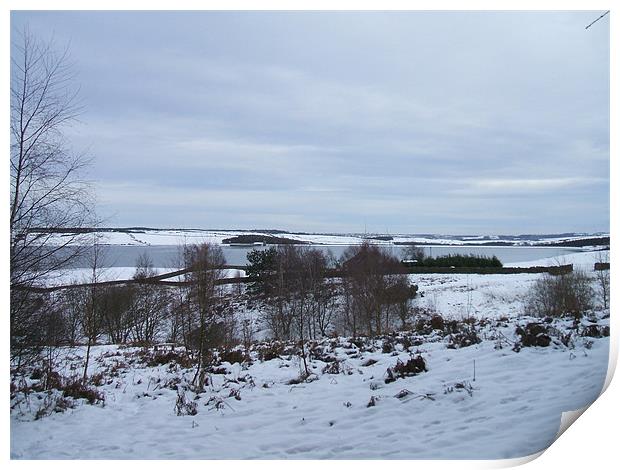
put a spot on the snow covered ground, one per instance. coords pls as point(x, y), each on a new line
point(84, 275)
point(490, 295)
point(584, 260)
point(154, 237)
point(511, 409)
point(180, 237)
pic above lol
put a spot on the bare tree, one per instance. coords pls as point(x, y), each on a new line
point(414, 253)
point(181, 318)
point(116, 304)
point(74, 301)
point(205, 262)
point(374, 283)
point(92, 319)
point(150, 303)
point(602, 276)
point(47, 191)
point(298, 300)
point(247, 331)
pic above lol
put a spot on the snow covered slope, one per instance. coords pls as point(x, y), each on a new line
point(511, 409)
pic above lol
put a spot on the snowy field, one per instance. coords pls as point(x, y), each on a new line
point(490, 295)
point(510, 408)
point(84, 275)
point(155, 237)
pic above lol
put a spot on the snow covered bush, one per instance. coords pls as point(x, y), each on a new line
point(534, 334)
point(565, 294)
point(184, 406)
point(79, 390)
point(414, 366)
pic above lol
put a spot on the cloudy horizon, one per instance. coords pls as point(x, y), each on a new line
point(398, 122)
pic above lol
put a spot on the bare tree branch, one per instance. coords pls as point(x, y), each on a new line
point(47, 190)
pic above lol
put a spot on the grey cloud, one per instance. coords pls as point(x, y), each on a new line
point(420, 121)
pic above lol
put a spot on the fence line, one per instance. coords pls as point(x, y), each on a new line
point(161, 279)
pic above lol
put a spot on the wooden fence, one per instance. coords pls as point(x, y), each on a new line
point(163, 279)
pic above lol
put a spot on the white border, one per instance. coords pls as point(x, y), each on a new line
point(591, 443)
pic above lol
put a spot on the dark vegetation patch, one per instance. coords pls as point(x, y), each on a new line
point(322, 352)
point(557, 332)
point(414, 366)
point(596, 241)
point(466, 336)
point(533, 334)
point(271, 350)
point(461, 261)
point(458, 333)
point(368, 362)
point(601, 266)
point(302, 378)
point(234, 356)
point(53, 404)
point(437, 322)
point(595, 331)
point(78, 391)
point(385, 238)
point(218, 370)
point(266, 239)
point(154, 359)
point(387, 347)
point(332, 368)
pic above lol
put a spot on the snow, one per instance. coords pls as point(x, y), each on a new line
point(151, 237)
point(460, 296)
point(490, 295)
point(584, 260)
point(513, 410)
point(84, 275)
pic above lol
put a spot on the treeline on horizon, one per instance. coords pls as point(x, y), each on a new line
point(460, 261)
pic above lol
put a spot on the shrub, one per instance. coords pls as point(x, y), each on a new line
point(234, 356)
point(270, 351)
point(414, 366)
point(332, 368)
point(437, 322)
point(565, 294)
point(534, 334)
point(387, 346)
point(595, 331)
point(52, 404)
point(159, 359)
point(466, 336)
point(183, 406)
point(218, 370)
point(78, 390)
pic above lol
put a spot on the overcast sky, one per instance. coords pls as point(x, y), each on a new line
point(416, 122)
